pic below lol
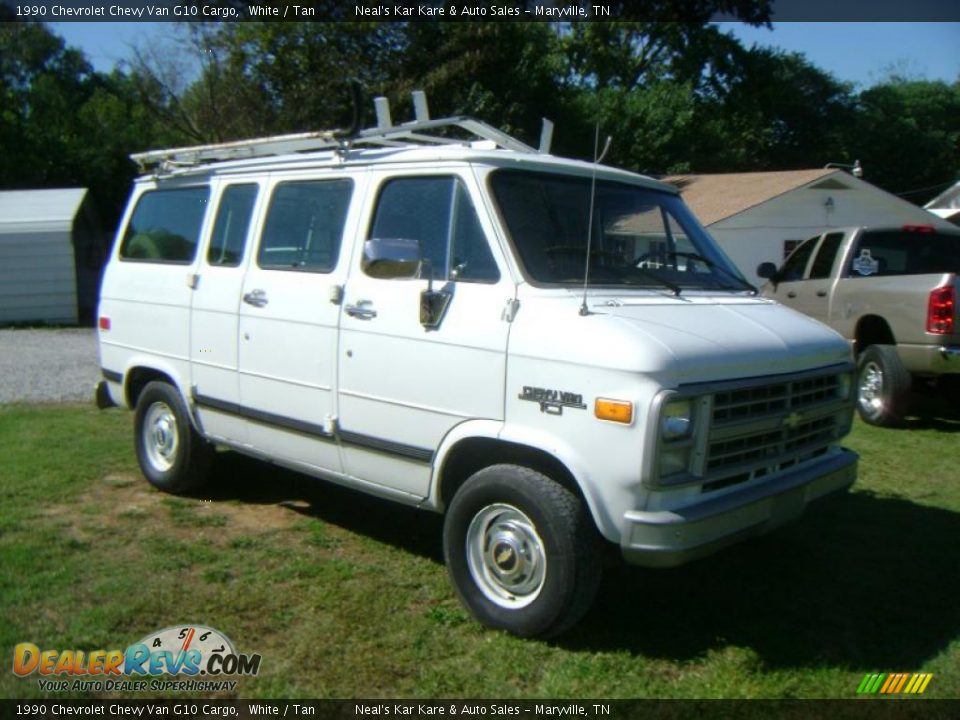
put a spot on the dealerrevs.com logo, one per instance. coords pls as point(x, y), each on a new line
point(193, 651)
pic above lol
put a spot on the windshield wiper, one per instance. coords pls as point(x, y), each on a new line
point(675, 289)
point(653, 276)
point(711, 264)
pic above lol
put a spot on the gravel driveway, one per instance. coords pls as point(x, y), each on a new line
point(48, 365)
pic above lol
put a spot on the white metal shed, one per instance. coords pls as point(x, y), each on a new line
point(50, 256)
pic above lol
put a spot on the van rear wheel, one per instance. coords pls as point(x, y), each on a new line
point(521, 551)
point(171, 454)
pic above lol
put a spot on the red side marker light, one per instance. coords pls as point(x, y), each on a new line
point(104, 323)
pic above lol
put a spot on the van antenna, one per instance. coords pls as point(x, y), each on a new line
point(593, 196)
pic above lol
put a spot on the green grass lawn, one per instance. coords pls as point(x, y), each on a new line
point(347, 596)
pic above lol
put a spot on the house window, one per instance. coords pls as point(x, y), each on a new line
point(789, 246)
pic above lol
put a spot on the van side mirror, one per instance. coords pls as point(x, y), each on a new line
point(392, 258)
point(400, 259)
point(767, 270)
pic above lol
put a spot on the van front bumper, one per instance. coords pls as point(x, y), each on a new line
point(670, 538)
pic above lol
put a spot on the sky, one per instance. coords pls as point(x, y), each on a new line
point(863, 53)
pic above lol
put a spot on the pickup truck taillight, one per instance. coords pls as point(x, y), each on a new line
point(941, 309)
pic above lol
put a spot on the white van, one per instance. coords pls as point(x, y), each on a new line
point(408, 315)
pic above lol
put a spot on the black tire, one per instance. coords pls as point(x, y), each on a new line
point(883, 386)
point(950, 386)
point(172, 455)
point(521, 551)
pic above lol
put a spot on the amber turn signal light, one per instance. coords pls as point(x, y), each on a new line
point(620, 411)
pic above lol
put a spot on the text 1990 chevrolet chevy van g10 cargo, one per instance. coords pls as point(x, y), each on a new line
point(409, 316)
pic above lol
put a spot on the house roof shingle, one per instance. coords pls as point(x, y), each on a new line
point(716, 197)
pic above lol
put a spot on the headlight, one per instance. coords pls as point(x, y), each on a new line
point(674, 461)
point(676, 420)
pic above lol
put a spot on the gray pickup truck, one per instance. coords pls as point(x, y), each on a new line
point(891, 291)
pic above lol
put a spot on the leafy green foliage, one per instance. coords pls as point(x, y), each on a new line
point(775, 111)
point(61, 123)
point(908, 134)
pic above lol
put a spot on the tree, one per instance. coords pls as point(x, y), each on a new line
point(907, 135)
point(630, 56)
point(509, 73)
point(62, 124)
point(268, 78)
point(656, 86)
point(774, 110)
point(42, 83)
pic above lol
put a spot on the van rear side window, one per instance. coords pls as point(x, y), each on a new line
point(230, 228)
point(165, 226)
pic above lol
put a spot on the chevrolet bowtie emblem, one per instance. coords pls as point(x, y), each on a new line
point(792, 421)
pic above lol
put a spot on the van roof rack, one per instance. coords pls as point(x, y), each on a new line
point(385, 134)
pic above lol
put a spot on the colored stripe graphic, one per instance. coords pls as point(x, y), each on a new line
point(871, 683)
point(894, 683)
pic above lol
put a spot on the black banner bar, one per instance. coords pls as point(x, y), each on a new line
point(865, 708)
point(465, 10)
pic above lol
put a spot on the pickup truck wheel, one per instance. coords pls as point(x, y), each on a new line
point(171, 454)
point(883, 386)
point(521, 551)
point(951, 390)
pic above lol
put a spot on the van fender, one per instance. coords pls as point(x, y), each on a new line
point(165, 367)
point(468, 429)
point(534, 439)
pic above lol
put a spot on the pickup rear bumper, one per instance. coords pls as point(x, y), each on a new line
point(930, 359)
point(667, 539)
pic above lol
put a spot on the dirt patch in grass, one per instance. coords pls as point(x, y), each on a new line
point(111, 503)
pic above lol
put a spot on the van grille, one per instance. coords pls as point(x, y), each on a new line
point(737, 405)
point(770, 445)
point(766, 428)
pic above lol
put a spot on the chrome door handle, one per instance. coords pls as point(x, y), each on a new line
point(361, 310)
point(257, 298)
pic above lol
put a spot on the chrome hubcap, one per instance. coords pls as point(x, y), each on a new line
point(505, 555)
point(870, 395)
point(160, 436)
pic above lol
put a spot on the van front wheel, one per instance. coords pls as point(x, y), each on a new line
point(521, 551)
point(171, 454)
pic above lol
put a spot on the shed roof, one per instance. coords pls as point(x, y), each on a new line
point(716, 197)
point(39, 210)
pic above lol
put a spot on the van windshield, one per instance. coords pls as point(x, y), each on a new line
point(641, 237)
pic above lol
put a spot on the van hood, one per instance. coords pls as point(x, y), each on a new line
point(680, 340)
